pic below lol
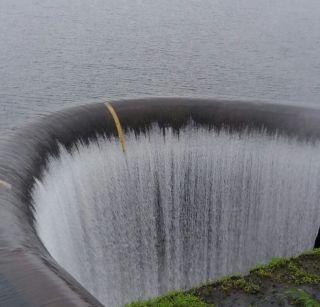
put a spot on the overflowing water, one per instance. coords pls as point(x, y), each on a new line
point(178, 209)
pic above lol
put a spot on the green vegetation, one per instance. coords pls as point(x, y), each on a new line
point(302, 298)
point(238, 282)
point(273, 283)
point(287, 270)
point(173, 300)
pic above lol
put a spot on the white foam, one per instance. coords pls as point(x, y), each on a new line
point(177, 211)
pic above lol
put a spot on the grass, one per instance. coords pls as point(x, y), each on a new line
point(177, 299)
point(264, 283)
point(238, 282)
point(288, 270)
point(302, 298)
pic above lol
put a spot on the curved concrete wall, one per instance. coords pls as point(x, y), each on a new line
point(28, 274)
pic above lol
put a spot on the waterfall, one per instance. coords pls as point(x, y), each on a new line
point(178, 210)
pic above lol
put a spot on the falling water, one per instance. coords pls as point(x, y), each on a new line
point(178, 209)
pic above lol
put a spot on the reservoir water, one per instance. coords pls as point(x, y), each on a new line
point(59, 53)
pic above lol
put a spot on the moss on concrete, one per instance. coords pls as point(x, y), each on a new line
point(238, 282)
point(288, 271)
point(274, 284)
point(300, 297)
point(178, 299)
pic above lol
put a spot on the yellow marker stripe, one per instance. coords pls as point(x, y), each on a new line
point(118, 125)
point(5, 184)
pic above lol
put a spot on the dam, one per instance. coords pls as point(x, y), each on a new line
point(202, 188)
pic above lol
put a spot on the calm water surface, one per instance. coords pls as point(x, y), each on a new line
point(59, 53)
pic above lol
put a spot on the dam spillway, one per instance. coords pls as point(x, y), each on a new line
point(177, 211)
point(205, 188)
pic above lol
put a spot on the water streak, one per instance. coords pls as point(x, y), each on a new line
point(177, 210)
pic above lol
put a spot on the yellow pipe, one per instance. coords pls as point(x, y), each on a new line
point(118, 125)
